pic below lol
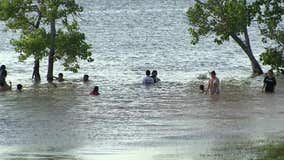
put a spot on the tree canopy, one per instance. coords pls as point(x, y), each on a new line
point(269, 16)
point(49, 28)
point(225, 19)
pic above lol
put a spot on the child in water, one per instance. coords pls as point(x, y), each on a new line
point(95, 91)
point(201, 88)
point(19, 88)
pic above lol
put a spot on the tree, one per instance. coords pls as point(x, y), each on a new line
point(38, 22)
point(226, 19)
point(270, 21)
point(15, 13)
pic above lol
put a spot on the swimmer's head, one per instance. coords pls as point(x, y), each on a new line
point(96, 88)
point(86, 78)
point(148, 72)
point(19, 87)
point(201, 87)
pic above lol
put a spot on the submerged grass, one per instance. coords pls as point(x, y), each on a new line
point(272, 152)
point(247, 150)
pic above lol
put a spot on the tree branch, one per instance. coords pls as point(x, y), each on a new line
point(239, 41)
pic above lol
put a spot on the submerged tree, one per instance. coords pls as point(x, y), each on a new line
point(38, 22)
point(226, 19)
point(270, 17)
point(16, 14)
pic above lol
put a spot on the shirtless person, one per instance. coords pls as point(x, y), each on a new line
point(213, 84)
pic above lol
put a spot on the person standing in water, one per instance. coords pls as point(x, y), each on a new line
point(148, 80)
point(269, 82)
point(154, 76)
point(5, 87)
point(3, 75)
point(213, 84)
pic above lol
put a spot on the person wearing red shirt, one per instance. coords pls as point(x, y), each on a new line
point(95, 91)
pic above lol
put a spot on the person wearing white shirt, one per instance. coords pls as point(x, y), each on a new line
point(148, 79)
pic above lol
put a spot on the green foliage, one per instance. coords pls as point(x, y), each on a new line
point(33, 18)
point(77, 47)
point(269, 16)
point(14, 13)
point(31, 43)
point(224, 19)
point(273, 57)
point(221, 17)
point(272, 152)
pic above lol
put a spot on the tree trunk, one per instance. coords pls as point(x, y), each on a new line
point(36, 74)
point(247, 49)
point(51, 52)
point(255, 65)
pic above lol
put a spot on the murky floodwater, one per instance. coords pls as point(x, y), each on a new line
point(170, 120)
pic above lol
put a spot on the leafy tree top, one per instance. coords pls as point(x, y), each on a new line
point(222, 17)
point(33, 17)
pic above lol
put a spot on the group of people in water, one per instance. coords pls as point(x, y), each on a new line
point(151, 78)
point(213, 87)
point(94, 92)
point(3, 84)
point(6, 87)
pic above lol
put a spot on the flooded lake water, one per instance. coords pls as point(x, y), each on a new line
point(167, 121)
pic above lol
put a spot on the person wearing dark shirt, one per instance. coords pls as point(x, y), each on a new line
point(154, 76)
point(3, 74)
point(86, 78)
point(19, 87)
point(269, 82)
point(5, 87)
point(201, 88)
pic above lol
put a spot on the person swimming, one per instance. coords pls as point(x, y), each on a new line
point(201, 88)
point(60, 77)
point(19, 87)
point(95, 91)
point(86, 78)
